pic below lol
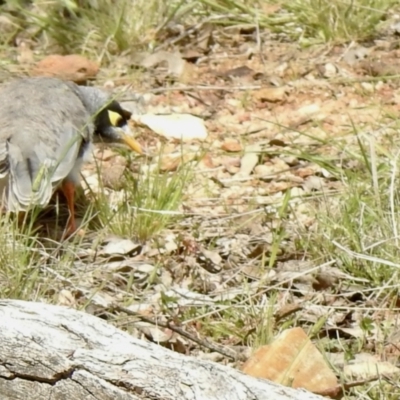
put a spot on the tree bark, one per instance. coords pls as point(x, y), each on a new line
point(53, 352)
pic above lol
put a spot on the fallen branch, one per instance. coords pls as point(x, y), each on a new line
point(54, 352)
point(170, 325)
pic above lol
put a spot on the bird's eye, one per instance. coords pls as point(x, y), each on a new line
point(116, 119)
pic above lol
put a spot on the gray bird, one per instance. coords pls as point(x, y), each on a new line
point(46, 129)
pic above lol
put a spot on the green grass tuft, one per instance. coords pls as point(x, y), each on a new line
point(150, 202)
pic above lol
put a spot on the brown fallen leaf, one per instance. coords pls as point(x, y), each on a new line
point(305, 172)
point(192, 55)
point(171, 162)
point(72, 67)
point(271, 94)
point(240, 72)
point(177, 66)
point(231, 145)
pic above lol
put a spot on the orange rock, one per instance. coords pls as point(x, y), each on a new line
point(292, 360)
point(71, 67)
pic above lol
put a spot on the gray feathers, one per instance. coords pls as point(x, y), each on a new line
point(45, 124)
point(93, 98)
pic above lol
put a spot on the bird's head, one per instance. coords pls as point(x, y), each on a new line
point(110, 119)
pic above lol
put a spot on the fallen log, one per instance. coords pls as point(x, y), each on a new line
point(53, 352)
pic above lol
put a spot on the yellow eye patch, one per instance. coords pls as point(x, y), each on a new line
point(115, 118)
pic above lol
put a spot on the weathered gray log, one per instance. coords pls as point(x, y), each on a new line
point(52, 352)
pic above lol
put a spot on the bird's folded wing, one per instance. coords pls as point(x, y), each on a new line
point(34, 176)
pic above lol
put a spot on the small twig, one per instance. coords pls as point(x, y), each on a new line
point(337, 391)
point(199, 99)
point(169, 325)
point(187, 88)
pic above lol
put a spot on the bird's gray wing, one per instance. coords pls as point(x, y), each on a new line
point(34, 177)
point(43, 124)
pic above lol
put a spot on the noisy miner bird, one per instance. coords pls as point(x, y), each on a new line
point(46, 129)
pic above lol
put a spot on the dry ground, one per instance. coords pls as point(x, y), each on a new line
point(286, 215)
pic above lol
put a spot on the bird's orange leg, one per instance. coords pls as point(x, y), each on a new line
point(68, 189)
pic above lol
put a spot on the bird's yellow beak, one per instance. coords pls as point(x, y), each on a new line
point(131, 143)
